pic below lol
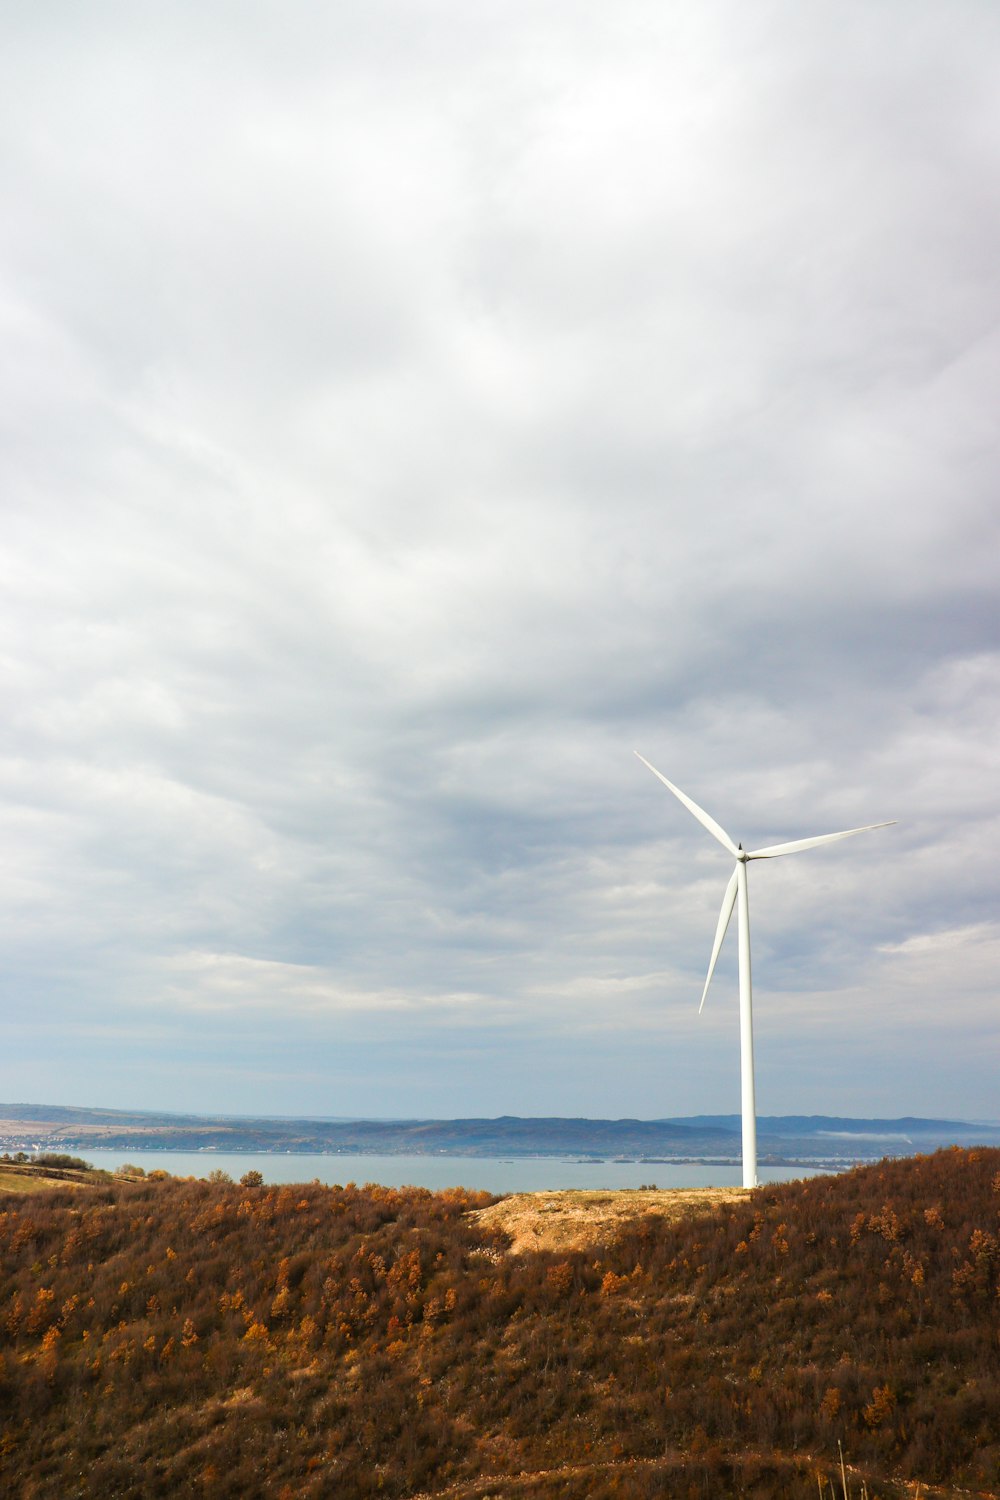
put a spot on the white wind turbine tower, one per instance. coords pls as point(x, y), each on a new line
point(737, 887)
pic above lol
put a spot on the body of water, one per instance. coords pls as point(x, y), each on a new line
point(494, 1174)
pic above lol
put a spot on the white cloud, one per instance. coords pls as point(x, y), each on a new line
point(233, 982)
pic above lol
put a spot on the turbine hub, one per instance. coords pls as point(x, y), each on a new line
point(741, 854)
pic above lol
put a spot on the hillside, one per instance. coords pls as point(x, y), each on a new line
point(205, 1338)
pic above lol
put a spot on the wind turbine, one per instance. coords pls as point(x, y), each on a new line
point(737, 889)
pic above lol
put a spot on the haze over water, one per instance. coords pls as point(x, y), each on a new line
point(494, 1175)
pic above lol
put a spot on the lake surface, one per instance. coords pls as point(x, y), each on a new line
point(494, 1174)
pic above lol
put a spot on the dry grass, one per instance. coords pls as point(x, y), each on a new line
point(575, 1219)
point(16, 1180)
point(27, 1177)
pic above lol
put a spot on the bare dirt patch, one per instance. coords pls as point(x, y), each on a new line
point(575, 1219)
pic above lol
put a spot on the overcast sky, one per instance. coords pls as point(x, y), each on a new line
point(410, 409)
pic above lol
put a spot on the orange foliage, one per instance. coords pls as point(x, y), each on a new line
point(185, 1337)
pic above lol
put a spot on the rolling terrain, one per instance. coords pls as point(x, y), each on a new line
point(165, 1337)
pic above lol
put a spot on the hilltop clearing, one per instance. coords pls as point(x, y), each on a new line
point(24, 1180)
point(51, 1172)
point(574, 1219)
point(164, 1338)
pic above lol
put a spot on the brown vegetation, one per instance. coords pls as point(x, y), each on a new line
point(166, 1337)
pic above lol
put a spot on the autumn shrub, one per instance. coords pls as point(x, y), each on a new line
point(212, 1338)
point(61, 1160)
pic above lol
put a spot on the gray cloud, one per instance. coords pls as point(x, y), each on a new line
point(406, 412)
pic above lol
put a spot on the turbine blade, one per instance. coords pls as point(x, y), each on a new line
point(774, 850)
point(728, 902)
point(692, 807)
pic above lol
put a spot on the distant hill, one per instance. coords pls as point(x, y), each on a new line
point(823, 1139)
point(808, 1125)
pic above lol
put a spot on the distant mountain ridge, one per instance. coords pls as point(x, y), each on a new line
point(781, 1138)
point(812, 1124)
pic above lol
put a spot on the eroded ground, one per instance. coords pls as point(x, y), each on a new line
point(574, 1219)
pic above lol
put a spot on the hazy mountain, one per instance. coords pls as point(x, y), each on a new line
point(716, 1137)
